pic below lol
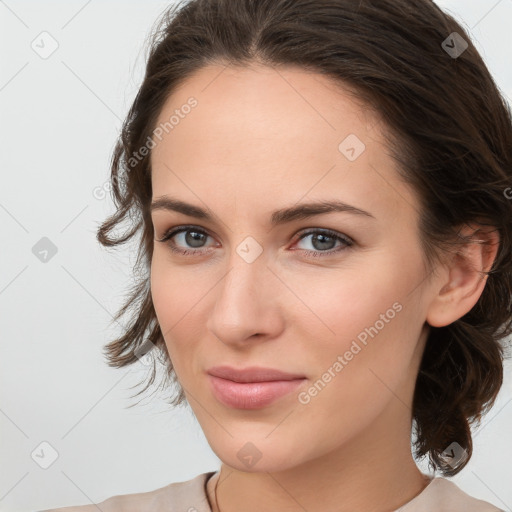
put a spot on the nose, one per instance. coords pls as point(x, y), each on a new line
point(247, 303)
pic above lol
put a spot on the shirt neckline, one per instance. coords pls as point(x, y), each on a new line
point(421, 495)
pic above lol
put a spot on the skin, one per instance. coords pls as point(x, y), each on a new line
point(262, 139)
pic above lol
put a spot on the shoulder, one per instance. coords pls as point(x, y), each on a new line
point(444, 495)
point(186, 496)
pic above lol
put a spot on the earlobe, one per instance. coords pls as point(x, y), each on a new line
point(463, 282)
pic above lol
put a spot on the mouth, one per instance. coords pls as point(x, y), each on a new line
point(252, 388)
point(252, 374)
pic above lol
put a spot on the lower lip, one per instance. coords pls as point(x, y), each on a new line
point(251, 395)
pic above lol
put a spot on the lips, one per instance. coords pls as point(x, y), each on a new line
point(252, 374)
point(252, 388)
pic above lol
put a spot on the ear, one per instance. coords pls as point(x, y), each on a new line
point(461, 282)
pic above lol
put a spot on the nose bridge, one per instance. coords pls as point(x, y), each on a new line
point(247, 271)
point(242, 294)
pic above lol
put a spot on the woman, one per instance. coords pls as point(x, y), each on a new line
point(321, 192)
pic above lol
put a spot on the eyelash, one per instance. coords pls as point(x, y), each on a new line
point(310, 254)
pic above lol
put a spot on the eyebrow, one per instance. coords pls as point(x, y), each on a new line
point(281, 216)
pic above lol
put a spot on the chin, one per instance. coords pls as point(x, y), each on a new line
point(257, 453)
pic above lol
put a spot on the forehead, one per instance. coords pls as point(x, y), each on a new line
point(269, 136)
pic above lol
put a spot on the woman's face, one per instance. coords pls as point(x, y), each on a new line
point(347, 317)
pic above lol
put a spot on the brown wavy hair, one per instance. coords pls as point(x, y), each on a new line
point(450, 132)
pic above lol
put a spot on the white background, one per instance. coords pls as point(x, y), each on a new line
point(60, 117)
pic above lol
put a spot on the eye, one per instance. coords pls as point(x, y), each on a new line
point(193, 236)
point(325, 237)
point(322, 240)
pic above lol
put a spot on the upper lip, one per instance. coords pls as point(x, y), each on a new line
point(252, 374)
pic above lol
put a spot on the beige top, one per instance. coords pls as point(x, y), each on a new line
point(441, 495)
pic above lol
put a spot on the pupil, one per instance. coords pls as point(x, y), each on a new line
point(193, 238)
point(322, 239)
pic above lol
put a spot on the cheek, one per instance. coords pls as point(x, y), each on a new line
point(354, 380)
point(175, 289)
point(173, 300)
point(340, 304)
point(370, 324)
point(365, 314)
point(182, 299)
